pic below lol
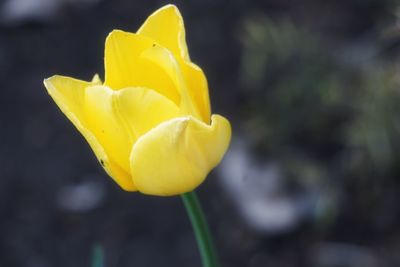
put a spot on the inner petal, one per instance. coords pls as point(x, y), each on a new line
point(125, 65)
point(119, 118)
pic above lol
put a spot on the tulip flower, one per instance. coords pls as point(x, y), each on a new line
point(149, 123)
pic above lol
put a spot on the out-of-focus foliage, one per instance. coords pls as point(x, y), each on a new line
point(326, 110)
point(296, 99)
point(375, 129)
point(310, 107)
point(97, 256)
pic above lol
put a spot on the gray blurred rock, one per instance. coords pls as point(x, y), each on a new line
point(329, 254)
point(81, 197)
point(258, 191)
point(19, 11)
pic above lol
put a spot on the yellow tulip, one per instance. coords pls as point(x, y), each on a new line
point(149, 124)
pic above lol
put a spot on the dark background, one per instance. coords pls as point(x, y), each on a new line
point(312, 176)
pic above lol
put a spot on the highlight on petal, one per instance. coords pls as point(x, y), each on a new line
point(69, 94)
point(96, 80)
point(176, 156)
point(126, 65)
point(166, 27)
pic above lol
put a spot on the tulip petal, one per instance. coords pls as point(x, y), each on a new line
point(165, 59)
point(154, 67)
point(166, 27)
point(126, 67)
point(96, 80)
point(68, 93)
point(119, 118)
point(111, 121)
point(176, 156)
point(198, 89)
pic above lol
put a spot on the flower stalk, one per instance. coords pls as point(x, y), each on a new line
point(201, 229)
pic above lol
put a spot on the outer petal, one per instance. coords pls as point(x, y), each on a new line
point(111, 121)
point(125, 65)
point(68, 93)
point(176, 156)
point(166, 27)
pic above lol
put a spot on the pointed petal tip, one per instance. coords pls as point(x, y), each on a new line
point(113, 33)
point(96, 80)
point(117, 33)
point(48, 80)
point(170, 7)
point(166, 27)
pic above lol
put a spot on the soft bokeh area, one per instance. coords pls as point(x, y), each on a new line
point(312, 89)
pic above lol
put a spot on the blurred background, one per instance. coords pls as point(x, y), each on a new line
point(312, 89)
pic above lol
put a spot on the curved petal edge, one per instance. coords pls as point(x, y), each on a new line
point(176, 156)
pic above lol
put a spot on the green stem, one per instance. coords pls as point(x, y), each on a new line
point(98, 256)
point(200, 227)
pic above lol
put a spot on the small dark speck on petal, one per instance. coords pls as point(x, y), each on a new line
point(154, 45)
point(102, 162)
